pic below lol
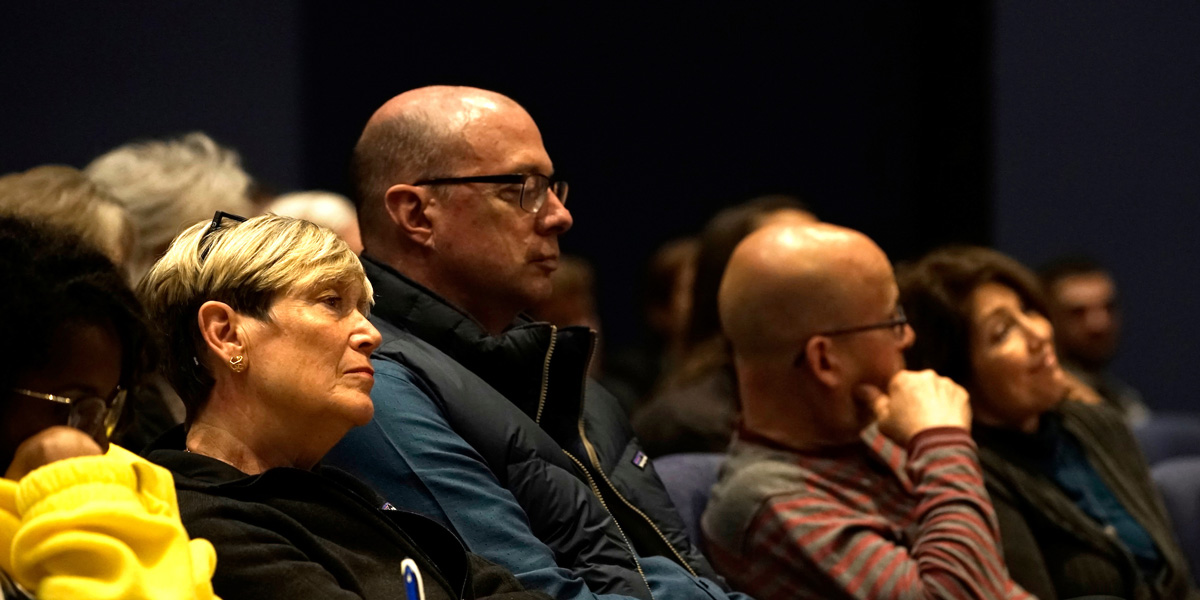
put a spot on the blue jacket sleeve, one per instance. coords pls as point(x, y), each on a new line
point(410, 454)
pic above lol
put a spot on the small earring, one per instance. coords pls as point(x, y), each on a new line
point(237, 363)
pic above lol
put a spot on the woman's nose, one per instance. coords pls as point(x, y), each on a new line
point(366, 337)
point(1038, 331)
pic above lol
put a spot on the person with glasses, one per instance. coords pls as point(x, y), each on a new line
point(268, 344)
point(79, 517)
point(485, 419)
point(1078, 511)
point(849, 477)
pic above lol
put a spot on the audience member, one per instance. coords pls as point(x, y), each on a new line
point(66, 198)
point(269, 348)
point(168, 185)
point(1078, 512)
point(572, 302)
point(1082, 298)
point(695, 407)
point(485, 420)
point(666, 298)
point(814, 501)
point(79, 518)
point(327, 209)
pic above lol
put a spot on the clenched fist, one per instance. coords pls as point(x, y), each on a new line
point(49, 445)
point(916, 401)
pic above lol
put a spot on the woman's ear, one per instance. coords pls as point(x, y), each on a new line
point(405, 205)
point(220, 328)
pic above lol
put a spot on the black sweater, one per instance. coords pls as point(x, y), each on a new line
point(290, 533)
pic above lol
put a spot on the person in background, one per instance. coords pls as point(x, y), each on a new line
point(1083, 307)
point(1078, 512)
point(65, 197)
point(850, 477)
point(268, 344)
point(79, 517)
point(485, 420)
point(327, 209)
point(666, 298)
point(695, 406)
point(167, 185)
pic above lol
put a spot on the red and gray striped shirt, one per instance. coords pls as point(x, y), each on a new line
point(863, 521)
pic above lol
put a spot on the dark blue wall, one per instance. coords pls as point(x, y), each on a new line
point(874, 111)
point(79, 78)
point(1097, 129)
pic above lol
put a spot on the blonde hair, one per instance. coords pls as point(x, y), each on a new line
point(245, 265)
point(170, 184)
point(64, 197)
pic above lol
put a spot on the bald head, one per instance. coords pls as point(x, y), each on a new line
point(419, 134)
point(791, 279)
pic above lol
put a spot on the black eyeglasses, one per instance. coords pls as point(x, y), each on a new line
point(218, 218)
point(897, 324)
point(92, 415)
point(535, 187)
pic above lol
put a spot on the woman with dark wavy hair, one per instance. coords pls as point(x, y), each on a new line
point(1077, 510)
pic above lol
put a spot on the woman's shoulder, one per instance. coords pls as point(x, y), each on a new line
point(1097, 426)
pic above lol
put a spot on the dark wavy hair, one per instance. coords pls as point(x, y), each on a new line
point(52, 280)
point(935, 293)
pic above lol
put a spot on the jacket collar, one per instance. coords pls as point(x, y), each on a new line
point(512, 362)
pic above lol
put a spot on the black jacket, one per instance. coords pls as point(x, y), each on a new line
point(549, 433)
point(290, 533)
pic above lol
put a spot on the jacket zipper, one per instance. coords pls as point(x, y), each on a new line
point(595, 460)
point(595, 490)
point(546, 374)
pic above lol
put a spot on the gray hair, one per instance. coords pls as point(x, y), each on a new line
point(170, 184)
point(64, 197)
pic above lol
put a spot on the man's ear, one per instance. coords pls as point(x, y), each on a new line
point(406, 205)
point(822, 361)
point(220, 326)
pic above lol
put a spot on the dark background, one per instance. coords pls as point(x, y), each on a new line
point(1038, 128)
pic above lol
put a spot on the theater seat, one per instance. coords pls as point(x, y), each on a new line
point(689, 478)
point(1178, 481)
point(1169, 435)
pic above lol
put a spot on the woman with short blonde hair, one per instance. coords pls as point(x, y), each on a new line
point(269, 347)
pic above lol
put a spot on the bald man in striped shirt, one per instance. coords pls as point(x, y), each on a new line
point(850, 477)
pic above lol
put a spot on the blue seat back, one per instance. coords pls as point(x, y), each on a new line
point(689, 478)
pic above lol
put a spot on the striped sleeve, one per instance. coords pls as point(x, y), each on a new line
point(827, 545)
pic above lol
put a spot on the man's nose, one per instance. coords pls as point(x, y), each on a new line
point(554, 218)
point(1097, 320)
point(909, 337)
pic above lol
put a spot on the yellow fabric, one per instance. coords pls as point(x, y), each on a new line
point(99, 527)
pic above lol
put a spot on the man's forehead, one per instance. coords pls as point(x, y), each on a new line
point(1085, 289)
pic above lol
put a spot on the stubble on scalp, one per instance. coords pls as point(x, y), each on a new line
point(788, 281)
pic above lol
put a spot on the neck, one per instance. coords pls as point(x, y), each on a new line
point(1027, 425)
point(782, 409)
point(492, 313)
point(234, 432)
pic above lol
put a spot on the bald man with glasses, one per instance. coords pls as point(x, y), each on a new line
point(485, 420)
point(850, 476)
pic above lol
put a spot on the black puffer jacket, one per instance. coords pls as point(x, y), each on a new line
point(549, 433)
